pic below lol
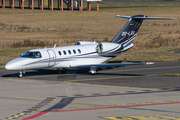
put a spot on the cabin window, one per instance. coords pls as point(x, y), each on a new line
point(74, 51)
point(59, 52)
point(64, 52)
point(79, 50)
point(30, 54)
point(69, 51)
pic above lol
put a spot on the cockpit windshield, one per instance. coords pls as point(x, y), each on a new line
point(31, 54)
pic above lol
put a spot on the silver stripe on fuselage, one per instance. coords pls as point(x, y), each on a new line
point(47, 60)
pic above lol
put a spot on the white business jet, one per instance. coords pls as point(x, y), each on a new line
point(83, 53)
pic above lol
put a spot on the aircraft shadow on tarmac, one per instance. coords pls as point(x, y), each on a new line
point(32, 73)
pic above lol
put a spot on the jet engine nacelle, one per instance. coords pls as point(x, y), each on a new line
point(85, 43)
point(108, 49)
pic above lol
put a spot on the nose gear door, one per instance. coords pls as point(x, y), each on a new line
point(52, 57)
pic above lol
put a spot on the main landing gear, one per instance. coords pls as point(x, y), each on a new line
point(93, 70)
point(63, 70)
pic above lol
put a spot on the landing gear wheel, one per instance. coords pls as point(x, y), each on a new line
point(63, 70)
point(20, 74)
point(93, 71)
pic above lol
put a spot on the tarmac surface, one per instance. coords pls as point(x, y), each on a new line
point(132, 92)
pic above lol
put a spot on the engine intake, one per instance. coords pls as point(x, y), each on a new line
point(108, 49)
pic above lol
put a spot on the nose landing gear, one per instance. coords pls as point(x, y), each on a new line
point(21, 73)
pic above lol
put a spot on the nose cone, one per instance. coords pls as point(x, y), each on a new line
point(14, 64)
point(8, 66)
point(11, 65)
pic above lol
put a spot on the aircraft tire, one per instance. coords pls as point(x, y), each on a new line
point(20, 75)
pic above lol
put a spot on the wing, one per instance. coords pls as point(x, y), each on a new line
point(113, 64)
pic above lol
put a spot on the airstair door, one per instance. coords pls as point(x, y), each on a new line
point(52, 58)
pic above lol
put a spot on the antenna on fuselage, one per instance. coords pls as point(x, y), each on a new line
point(54, 45)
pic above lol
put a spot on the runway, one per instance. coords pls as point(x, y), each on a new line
point(133, 92)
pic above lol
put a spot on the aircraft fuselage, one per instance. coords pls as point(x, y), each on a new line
point(58, 57)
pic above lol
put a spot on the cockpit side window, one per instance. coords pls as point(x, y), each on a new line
point(37, 55)
point(30, 54)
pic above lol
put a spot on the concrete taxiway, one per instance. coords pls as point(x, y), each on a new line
point(133, 92)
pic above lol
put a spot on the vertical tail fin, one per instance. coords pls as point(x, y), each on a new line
point(128, 33)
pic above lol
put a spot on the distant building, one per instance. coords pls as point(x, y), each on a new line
point(71, 4)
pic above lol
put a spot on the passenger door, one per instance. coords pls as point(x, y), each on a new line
point(52, 57)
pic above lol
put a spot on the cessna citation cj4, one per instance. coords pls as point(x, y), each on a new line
point(83, 53)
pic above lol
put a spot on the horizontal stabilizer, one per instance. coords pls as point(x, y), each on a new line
point(142, 17)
